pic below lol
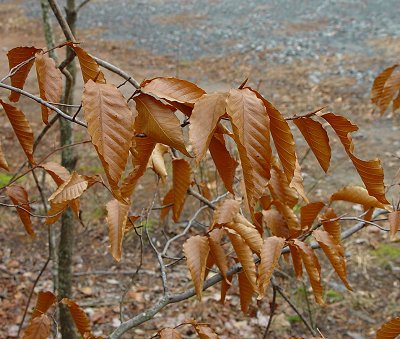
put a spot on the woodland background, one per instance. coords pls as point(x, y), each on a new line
point(317, 53)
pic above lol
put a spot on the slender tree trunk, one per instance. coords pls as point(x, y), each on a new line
point(68, 160)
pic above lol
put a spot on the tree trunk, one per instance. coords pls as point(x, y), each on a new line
point(68, 160)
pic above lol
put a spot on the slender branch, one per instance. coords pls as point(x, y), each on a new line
point(61, 20)
point(82, 4)
point(30, 213)
point(272, 311)
point(201, 198)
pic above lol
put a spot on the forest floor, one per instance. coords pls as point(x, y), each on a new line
point(298, 75)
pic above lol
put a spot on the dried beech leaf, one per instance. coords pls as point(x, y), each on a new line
point(117, 216)
point(110, 126)
point(19, 196)
point(225, 164)
point(297, 182)
point(205, 332)
point(170, 333)
point(270, 254)
point(394, 221)
point(334, 253)
point(356, 195)
point(69, 189)
point(251, 133)
point(55, 212)
point(168, 200)
point(3, 161)
point(173, 89)
point(158, 121)
point(379, 83)
point(297, 262)
point(309, 212)
point(279, 188)
point(15, 57)
point(245, 257)
point(316, 138)
point(141, 154)
point(389, 330)
point(371, 171)
point(249, 234)
point(216, 234)
point(204, 119)
point(196, 250)
point(50, 82)
point(276, 223)
point(313, 268)
point(289, 216)
point(157, 163)
point(181, 182)
point(226, 211)
point(89, 67)
point(225, 286)
point(332, 227)
point(391, 88)
point(56, 171)
point(246, 292)
point(218, 255)
point(22, 129)
point(38, 328)
point(81, 320)
point(44, 301)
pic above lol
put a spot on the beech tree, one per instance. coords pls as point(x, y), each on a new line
point(263, 214)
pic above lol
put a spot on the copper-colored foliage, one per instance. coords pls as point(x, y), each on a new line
point(55, 212)
point(289, 216)
point(173, 89)
point(276, 223)
point(249, 234)
point(394, 221)
point(110, 126)
point(279, 188)
point(89, 67)
point(44, 301)
point(15, 57)
point(312, 267)
point(205, 115)
point(21, 127)
point(332, 226)
point(181, 173)
point(246, 292)
point(170, 333)
point(156, 161)
point(205, 332)
point(56, 171)
point(49, 80)
point(296, 259)
point(39, 328)
point(317, 139)
point(297, 182)
point(81, 320)
point(309, 212)
point(70, 189)
point(356, 195)
point(379, 83)
point(251, 133)
point(389, 92)
point(117, 216)
point(389, 330)
point(196, 250)
point(3, 160)
point(334, 253)
point(218, 253)
point(159, 122)
point(371, 171)
point(19, 197)
point(270, 254)
point(225, 286)
point(226, 211)
point(224, 162)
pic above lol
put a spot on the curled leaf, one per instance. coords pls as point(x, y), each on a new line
point(226, 211)
point(19, 197)
point(56, 171)
point(389, 330)
point(279, 188)
point(218, 254)
point(276, 223)
point(89, 67)
point(81, 320)
point(394, 222)
point(44, 301)
point(181, 182)
point(157, 163)
point(309, 212)
point(357, 195)
point(39, 328)
point(3, 161)
point(70, 189)
point(170, 333)
point(249, 234)
point(246, 292)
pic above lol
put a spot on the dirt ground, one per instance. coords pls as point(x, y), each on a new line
point(373, 262)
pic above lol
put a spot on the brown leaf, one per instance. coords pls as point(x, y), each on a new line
point(289, 216)
point(206, 113)
point(15, 57)
point(39, 328)
point(379, 83)
point(117, 216)
point(3, 161)
point(316, 138)
point(356, 195)
point(56, 171)
point(279, 188)
point(19, 197)
point(309, 212)
point(296, 259)
point(249, 234)
point(196, 250)
point(371, 171)
point(50, 82)
point(110, 126)
point(332, 227)
point(251, 133)
point(70, 189)
point(205, 332)
point(392, 86)
point(389, 330)
point(225, 164)
point(226, 211)
point(158, 121)
point(270, 254)
point(22, 129)
point(81, 320)
point(225, 286)
point(394, 221)
point(89, 67)
point(297, 182)
point(334, 253)
point(157, 163)
point(55, 212)
point(246, 292)
point(181, 182)
point(173, 89)
point(44, 301)
point(313, 268)
point(170, 333)
point(218, 255)
point(276, 223)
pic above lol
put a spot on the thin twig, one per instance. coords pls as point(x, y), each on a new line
point(272, 311)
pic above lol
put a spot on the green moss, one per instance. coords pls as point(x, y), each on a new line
point(4, 179)
point(385, 253)
point(293, 318)
point(333, 296)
